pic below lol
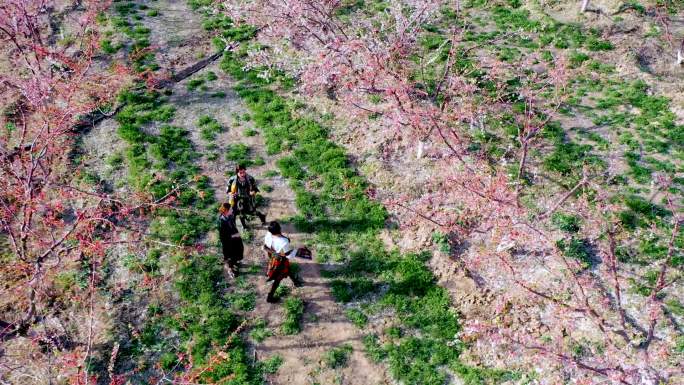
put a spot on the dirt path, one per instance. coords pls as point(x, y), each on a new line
point(324, 324)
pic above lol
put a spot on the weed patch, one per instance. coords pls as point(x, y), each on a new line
point(209, 128)
point(203, 319)
point(338, 357)
point(294, 309)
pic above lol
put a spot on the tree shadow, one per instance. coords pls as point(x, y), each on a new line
point(335, 225)
point(308, 345)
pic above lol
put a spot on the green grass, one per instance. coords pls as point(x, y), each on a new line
point(196, 83)
point(338, 357)
point(373, 349)
point(202, 319)
point(272, 364)
point(331, 203)
point(675, 307)
point(209, 128)
point(115, 160)
point(260, 331)
point(413, 293)
point(294, 309)
point(357, 317)
point(108, 47)
point(238, 153)
point(566, 222)
point(577, 249)
point(243, 301)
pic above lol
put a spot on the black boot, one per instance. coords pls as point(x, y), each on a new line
point(244, 222)
point(271, 298)
point(262, 217)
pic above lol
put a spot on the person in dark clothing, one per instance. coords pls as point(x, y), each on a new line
point(242, 189)
point(231, 242)
point(279, 250)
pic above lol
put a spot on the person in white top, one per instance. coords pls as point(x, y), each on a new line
point(277, 242)
point(279, 250)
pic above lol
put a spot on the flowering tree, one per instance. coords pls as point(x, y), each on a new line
point(51, 223)
point(376, 64)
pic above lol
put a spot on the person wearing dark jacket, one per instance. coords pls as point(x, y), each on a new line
point(231, 242)
point(242, 190)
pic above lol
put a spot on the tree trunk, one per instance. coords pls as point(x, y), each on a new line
point(420, 149)
point(585, 5)
point(523, 159)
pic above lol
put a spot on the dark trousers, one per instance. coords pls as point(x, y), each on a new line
point(243, 219)
point(246, 206)
point(233, 251)
point(276, 283)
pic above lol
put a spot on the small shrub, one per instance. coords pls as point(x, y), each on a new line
point(290, 168)
point(243, 301)
point(196, 4)
point(272, 364)
point(567, 158)
point(577, 58)
point(210, 128)
point(338, 357)
point(108, 47)
point(238, 153)
point(675, 307)
point(576, 249)
point(294, 309)
point(373, 349)
point(346, 290)
point(282, 291)
point(419, 361)
point(194, 84)
point(566, 222)
point(596, 44)
point(258, 161)
point(442, 242)
point(357, 317)
point(168, 361)
point(260, 331)
point(115, 160)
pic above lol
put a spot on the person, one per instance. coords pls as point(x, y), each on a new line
point(231, 242)
point(279, 250)
point(242, 189)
